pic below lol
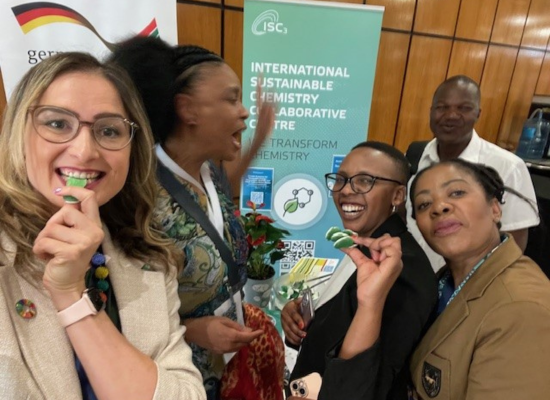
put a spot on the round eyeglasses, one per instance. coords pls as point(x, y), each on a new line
point(360, 183)
point(57, 125)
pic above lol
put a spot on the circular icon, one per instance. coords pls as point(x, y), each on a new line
point(299, 201)
point(25, 308)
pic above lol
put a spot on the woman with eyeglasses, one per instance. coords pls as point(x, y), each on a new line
point(358, 344)
point(88, 302)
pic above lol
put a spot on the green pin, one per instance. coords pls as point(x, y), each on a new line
point(75, 182)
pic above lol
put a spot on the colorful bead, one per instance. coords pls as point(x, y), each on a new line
point(101, 272)
point(25, 308)
point(103, 297)
point(98, 259)
point(103, 285)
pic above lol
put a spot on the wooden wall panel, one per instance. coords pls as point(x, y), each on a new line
point(233, 40)
point(388, 83)
point(427, 68)
point(398, 14)
point(522, 89)
point(436, 16)
point(345, 1)
point(495, 84)
point(510, 21)
point(467, 58)
point(235, 3)
point(537, 28)
point(543, 84)
point(200, 25)
point(475, 20)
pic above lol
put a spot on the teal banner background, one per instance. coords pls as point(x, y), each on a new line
point(318, 61)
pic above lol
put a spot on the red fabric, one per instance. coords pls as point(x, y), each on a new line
point(256, 371)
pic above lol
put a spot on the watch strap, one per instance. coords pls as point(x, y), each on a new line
point(77, 311)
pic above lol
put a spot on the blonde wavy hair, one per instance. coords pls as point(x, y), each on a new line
point(128, 216)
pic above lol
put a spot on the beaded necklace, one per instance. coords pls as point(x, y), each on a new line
point(99, 273)
point(98, 277)
point(447, 277)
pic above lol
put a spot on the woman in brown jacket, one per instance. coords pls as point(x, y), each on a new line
point(491, 339)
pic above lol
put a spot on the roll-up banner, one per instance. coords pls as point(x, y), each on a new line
point(317, 61)
point(32, 31)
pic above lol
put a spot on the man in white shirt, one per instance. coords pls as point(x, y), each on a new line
point(455, 110)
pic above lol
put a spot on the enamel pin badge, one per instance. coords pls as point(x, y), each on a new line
point(431, 379)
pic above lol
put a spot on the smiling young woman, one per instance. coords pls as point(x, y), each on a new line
point(358, 341)
point(73, 318)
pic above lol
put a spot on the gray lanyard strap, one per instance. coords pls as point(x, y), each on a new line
point(190, 206)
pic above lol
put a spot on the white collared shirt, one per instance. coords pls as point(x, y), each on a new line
point(516, 213)
point(214, 207)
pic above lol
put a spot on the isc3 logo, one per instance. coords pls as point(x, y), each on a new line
point(268, 22)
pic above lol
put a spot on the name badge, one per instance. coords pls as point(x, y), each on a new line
point(235, 300)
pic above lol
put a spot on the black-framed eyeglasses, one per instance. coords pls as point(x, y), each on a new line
point(58, 125)
point(360, 183)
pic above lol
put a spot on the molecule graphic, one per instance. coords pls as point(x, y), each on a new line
point(301, 197)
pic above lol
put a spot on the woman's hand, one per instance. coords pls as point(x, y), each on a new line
point(266, 119)
point(292, 321)
point(219, 334)
point(67, 243)
point(376, 275)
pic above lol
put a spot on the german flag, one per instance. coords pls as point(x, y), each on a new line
point(34, 15)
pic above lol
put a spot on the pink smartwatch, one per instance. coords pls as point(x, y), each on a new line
point(90, 304)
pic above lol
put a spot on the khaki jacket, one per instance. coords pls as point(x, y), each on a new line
point(36, 357)
point(493, 340)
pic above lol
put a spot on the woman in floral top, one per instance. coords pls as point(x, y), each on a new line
point(193, 100)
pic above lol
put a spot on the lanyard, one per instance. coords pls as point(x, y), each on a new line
point(447, 276)
point(213, 201)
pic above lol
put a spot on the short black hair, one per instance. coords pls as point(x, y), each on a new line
point(160, 71)
point(401, 162)
point(460, 79)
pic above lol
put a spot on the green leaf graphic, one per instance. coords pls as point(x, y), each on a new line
point(291, 206)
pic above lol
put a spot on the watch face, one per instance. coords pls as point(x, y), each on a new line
point(95, 298)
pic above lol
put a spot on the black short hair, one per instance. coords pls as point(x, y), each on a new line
point(160, 71)
point(460, 79)
point(401, 162)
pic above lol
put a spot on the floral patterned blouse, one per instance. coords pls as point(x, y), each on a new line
point(201, 288)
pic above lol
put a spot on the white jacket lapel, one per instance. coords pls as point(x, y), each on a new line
point(137, 294)
point(43, 343)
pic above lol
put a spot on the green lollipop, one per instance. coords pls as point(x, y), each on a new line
point(331, 231)
point(341, 238)
point(344, 242)
point(74, 182)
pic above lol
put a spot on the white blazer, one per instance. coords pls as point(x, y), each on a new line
point(36, 357)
